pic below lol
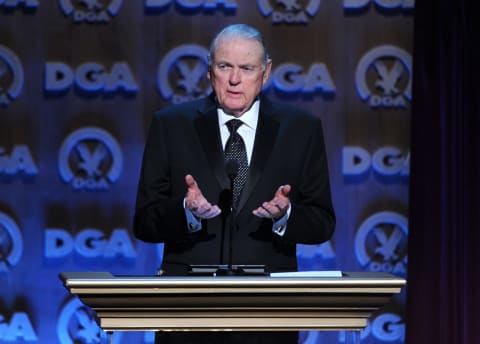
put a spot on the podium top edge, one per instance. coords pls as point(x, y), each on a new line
point(349, 278)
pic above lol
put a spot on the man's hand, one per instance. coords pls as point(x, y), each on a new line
point(277, 207)
point(196, 203)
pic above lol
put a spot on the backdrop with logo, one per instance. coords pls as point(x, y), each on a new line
point(79, 83)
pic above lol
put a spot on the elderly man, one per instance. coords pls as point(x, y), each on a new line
point(234, 156)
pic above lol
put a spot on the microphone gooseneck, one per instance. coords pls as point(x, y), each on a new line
point(231, 167)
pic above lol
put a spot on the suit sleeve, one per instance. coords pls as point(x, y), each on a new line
point(159, 216)
point(312, 219)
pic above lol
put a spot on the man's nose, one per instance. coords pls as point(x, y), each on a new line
point(235, 77)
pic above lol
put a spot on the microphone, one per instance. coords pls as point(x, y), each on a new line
point(231, 167)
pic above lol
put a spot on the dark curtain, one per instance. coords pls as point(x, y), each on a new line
point(443, 292)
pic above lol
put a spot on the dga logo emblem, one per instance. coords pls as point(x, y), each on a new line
point(91, 159)
point(288, 11)
point(11, 76)
point(182, 74)
point(11, 243)
point(91, 11)
point(384, 77)
point(76, 324)
point(381, 243)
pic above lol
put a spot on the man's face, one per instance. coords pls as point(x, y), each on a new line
point(237, 74)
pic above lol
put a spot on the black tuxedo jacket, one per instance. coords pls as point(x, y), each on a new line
point(288, 149)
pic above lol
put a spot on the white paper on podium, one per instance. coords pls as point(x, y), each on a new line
point(330, 273)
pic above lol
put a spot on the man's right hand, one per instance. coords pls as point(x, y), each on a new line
point(197, 203)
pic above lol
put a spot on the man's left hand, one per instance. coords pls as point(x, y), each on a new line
point(277, 207)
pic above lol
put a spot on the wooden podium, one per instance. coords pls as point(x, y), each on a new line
point(140, 303)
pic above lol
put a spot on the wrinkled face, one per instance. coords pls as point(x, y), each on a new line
point(237, 74)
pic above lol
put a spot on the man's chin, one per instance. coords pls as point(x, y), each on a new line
point(234, 110)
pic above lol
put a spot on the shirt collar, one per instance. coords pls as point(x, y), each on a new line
point(249, 118)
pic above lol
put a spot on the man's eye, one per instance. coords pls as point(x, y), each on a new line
point(250, 69)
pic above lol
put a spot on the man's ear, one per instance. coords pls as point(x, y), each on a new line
point(209, 71)
point(266, 74)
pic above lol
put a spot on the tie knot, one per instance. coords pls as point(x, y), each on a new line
point(233, 125)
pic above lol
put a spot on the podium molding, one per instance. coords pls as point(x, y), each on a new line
point(147, 303)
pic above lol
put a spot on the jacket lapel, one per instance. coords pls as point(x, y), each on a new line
point(209, 133)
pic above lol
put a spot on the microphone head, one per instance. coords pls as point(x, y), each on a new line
point(231, 167)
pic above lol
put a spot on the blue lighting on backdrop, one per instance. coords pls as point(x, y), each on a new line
point(79, 82)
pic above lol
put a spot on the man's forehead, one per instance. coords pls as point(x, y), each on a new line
point(249, 48)
point(238, 40)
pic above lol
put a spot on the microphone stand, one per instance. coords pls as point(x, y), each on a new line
point(232, 171)
point(231, 227)
point(229, 214)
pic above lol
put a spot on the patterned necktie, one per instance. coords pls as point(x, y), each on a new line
point(235, 149)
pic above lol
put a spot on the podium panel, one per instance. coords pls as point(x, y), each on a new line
point(146, 303)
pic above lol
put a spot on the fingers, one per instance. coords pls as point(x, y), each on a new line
point(208, 212)
point(263, 212)
point(284, 190)
point(277, 207)
point(202, 209)
point(270, 210)
point(280, 201)
point(197, 203)
point(190, 181)
point(193, 191)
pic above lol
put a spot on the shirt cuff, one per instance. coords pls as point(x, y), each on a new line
point(280, 226)
point(193, 224)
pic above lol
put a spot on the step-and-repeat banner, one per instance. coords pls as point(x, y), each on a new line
point(79, 83)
